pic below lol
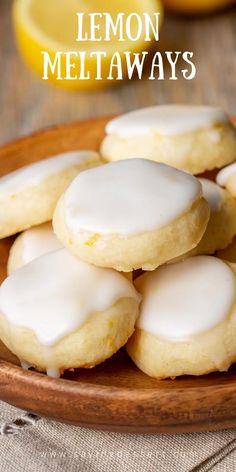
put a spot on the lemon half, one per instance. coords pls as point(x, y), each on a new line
point(52, 26)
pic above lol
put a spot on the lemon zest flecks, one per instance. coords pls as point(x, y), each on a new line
point(91, 241)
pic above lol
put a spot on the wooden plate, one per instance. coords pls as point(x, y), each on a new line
point(115, 395)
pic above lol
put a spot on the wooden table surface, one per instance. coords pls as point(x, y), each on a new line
point(28, 104)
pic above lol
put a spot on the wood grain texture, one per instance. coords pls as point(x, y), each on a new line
point(28, 104)
point(114, 395)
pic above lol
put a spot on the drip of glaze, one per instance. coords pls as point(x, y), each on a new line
point(55, 294)
point(53, 372)
point(213, 194)
point(167, 120)
point(129, 197)
point(35, 173)
point(25, 365)
point(225, 173)
point(185, 299)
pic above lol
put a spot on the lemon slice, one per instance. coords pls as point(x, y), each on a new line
point(53, 25)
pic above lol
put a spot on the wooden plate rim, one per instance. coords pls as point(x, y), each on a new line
point(14, 378)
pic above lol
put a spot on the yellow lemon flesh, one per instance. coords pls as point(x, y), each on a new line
point(192, 7)
point(52, 26)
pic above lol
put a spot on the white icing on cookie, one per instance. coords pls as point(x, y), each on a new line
point(35, 173)
point(213, 194)
point(128, 197)
point(225, 174)
point(57, 293)
point(37, 241)
point(187, 298)
point(167, 120)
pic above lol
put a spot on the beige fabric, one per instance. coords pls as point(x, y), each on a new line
point(29, 443)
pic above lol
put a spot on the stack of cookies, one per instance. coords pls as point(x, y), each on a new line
point(133, 247)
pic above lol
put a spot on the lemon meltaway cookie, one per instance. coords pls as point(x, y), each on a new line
point(30, 244)
point(28, 196)
point(227, 178)
point(187, 322)
point(131, 214)
point(221, 227)
point(192, 138)
point(229, 253)
point(58, 313)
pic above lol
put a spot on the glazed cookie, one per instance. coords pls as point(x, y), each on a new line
point(29, 195)
point(192, 138)
point(229, 253)
point(221, 227)
point(131, 214)
point(227, 178)
point(32, 243)
point(70, 315)
point(187, 323)
point(36, 242)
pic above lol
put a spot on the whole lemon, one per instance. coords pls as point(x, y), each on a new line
point(192, 7)
point(47, 30)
